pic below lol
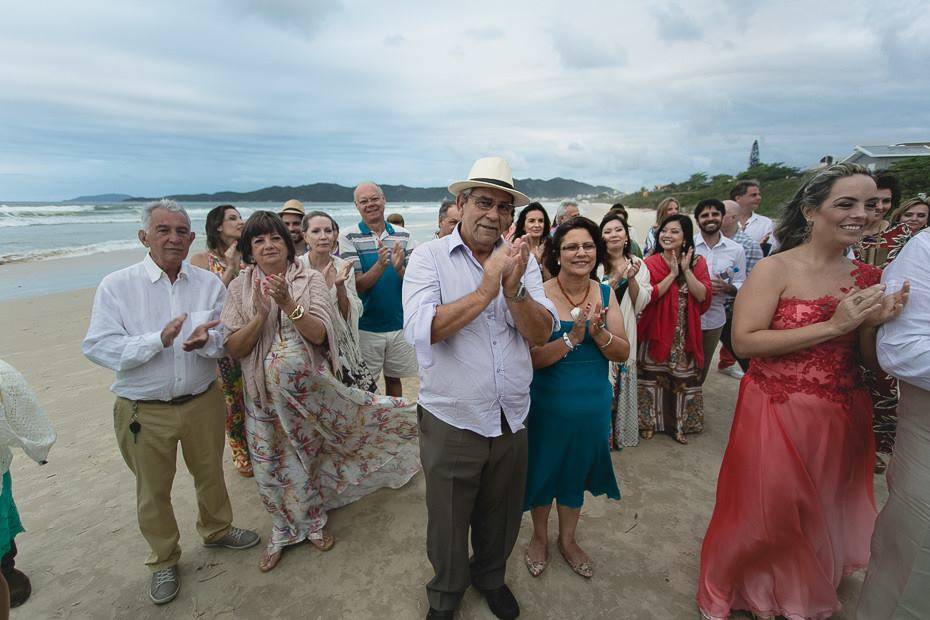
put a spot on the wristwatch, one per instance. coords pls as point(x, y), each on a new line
point(520, 296)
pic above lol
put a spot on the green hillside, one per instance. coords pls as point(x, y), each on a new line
point(778, 183)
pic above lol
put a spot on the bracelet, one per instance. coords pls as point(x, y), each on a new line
point(297, 314)
point(606, 344)
point(568, 342)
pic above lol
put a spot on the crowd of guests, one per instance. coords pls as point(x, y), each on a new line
point(540, 346)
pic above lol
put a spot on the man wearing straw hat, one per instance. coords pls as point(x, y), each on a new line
point(473, 306)
point(292, 214)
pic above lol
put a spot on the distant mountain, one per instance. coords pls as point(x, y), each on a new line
point(331, 192)
point(99, 198)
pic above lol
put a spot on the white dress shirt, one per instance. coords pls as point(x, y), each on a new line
point(904, 343)
point(132, 307)
point(467, 379)
point(726, 261)
point(758, 226)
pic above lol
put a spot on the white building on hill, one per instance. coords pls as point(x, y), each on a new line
point(881, 157)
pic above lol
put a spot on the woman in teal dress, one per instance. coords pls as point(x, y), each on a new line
point(570, 397)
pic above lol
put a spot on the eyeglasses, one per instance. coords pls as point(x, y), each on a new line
point(486, 204)
point(572, 248)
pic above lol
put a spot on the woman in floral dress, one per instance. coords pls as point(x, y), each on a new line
point(224, 226)
point(316, 444)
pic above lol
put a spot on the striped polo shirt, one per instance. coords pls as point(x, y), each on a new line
point(383, 311)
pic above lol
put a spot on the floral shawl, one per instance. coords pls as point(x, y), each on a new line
point(308, 288)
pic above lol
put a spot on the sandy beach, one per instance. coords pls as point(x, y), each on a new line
point(84, 554)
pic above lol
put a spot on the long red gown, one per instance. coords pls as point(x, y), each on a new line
point(795, 507)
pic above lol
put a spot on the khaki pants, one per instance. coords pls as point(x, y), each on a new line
point(710, 338)
point(152, 457)
point(472, 483)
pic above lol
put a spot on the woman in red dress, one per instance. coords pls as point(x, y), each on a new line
point(795, 508)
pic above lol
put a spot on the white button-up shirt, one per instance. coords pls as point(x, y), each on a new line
point(727, 261)
point(758, 226)
point(467, 379)
point(904, 343)
point(132, 307)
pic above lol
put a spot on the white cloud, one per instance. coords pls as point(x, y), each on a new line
point(177, 96)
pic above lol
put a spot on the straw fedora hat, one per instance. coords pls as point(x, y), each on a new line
point(292, 206)
point(493, 173)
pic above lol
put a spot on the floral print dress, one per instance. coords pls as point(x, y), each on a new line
point(230, 374)
point(318, 444)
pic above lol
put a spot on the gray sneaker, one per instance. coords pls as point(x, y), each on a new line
point(165, 585)
point(236, 538)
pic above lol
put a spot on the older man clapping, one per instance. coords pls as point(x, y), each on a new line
point(153, 323)
point(473, 305)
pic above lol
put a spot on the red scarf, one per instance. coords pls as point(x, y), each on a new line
point(659, 320)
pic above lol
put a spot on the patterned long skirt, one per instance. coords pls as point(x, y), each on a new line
point(317, 444)
point(624, 432)
point(231, 380)
point(670, 396)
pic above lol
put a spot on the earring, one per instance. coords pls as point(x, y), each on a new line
point(807, 231)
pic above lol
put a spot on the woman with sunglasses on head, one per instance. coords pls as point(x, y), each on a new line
point(626, 275)
point(569, 419)
point(670, 353)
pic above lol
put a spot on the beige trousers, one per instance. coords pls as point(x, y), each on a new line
point(198, 425)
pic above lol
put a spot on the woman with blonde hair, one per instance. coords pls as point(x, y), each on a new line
point(913, 212)
point(668, 206)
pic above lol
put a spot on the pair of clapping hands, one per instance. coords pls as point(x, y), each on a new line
point(196, 340)
point(393, 255)
point(506, 266)
point(591, 319)
point(869, 306)
point(678, 262)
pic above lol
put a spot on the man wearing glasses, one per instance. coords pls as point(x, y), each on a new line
point(380, 250)
point(473, 306)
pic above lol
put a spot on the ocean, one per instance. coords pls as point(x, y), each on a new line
point(36, 237)
point(43, 231)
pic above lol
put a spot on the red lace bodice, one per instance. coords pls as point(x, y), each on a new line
point(829, 370)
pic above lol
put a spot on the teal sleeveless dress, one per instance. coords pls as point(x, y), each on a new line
point(568, 427)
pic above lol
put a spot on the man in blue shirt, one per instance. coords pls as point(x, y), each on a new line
point(379, 251)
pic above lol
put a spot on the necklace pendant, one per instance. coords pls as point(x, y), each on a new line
point(576, 313)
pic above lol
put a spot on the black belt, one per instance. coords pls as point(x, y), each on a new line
point(177, 400)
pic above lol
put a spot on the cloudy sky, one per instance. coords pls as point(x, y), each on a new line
point(164, 97)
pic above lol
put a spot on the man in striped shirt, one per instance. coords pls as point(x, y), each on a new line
point(380, 250)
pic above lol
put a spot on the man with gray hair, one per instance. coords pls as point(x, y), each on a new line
point(449, 217)
point(567, 210)
point(154, 324)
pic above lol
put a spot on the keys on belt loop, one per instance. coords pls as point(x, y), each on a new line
point(135, 426)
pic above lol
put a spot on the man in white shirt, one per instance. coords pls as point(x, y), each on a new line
point(726, 262)
point(748, 195)
point(898, 579)
point(473, 305)
point(153, 323)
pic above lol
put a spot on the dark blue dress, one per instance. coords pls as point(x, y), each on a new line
point(568, 427)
